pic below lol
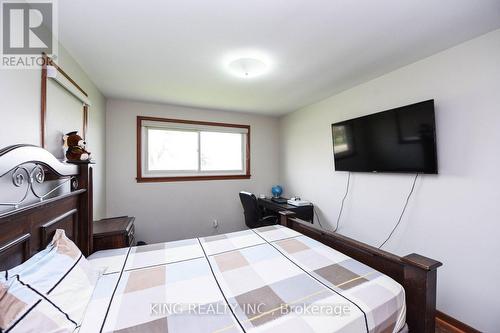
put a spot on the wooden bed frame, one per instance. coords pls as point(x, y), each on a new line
point(416, 273)
point(27, 229)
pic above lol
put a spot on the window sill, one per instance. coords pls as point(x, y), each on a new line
point(188, 178)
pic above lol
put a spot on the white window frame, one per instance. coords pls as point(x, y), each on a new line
point(144, 174)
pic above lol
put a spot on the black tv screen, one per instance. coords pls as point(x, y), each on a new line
point(397, 140)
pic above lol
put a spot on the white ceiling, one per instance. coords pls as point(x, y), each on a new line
point(173, 51)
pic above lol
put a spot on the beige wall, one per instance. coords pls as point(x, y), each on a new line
point(177, 210)
point(454, 216)
point(20, 116)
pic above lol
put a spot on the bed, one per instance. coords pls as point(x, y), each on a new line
point(291, 277)
point(270, 279)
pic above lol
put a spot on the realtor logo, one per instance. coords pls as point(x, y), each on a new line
point(28, 30)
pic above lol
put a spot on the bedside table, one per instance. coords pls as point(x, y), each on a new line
point(114, 233)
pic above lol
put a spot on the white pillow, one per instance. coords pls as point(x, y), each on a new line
point(59, 279)
point(23, 310)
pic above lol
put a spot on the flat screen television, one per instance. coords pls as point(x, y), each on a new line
point(397, 140)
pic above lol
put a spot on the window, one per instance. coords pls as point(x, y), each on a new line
point(343, 144)
point(174, 150)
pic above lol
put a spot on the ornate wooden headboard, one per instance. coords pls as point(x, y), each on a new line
point(54, 195)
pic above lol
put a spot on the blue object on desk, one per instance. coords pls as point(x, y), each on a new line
point(276, 190)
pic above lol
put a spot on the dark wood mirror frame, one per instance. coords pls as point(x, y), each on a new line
point(47, 61)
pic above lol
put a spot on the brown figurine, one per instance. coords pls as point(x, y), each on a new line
point(75, 147)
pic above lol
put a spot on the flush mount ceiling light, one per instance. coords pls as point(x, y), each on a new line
point(247, 63)
point(247, 67)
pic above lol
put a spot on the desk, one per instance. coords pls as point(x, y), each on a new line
point(305, 213)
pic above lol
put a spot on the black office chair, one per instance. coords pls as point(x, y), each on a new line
point(253, 215)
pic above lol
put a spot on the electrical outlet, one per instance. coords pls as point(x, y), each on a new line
point(215, 223)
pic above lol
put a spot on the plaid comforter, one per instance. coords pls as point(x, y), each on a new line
point(270, 279)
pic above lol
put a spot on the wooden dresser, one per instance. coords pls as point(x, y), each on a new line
point(113, 233)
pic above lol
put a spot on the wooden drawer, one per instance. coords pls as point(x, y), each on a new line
point(110, 242)
point(113, 233)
